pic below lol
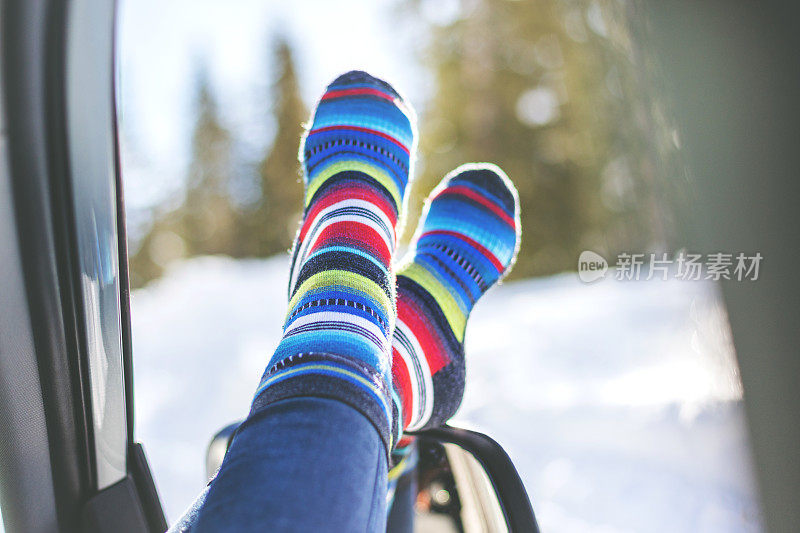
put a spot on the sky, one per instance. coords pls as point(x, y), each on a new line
point(161, 45)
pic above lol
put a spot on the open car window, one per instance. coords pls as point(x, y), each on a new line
point(618, 397)
point(150, 189)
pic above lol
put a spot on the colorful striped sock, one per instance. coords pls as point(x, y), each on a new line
point(336, 343)
point(466, 242)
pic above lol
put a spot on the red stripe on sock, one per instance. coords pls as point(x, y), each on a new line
point(364, 130)
point(405, 441)
point(357, 235)
point(486, 202)
point(357, 92)
point(475, 244)
point(418, 322)
point(340, 194)
point(401, 379)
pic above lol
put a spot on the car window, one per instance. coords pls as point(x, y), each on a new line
point(604, 364)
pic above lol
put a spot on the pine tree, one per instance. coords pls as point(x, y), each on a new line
point(552, 95)
point(205, 221)
point(273, 222)
point(207, 218)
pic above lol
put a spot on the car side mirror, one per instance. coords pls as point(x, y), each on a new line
point(463, 481)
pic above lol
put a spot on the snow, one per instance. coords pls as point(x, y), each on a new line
point(619, 402)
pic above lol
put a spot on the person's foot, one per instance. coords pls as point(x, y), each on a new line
point(466, 242)
point(336, 343)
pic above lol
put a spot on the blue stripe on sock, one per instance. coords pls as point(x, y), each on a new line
point(332, 341)
point(301, 370)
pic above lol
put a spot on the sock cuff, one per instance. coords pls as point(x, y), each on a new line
point(337, 377)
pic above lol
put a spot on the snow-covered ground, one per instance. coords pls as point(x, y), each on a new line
point(619, 402)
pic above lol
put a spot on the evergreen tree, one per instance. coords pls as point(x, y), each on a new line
point(205, 220)
point(273, 222)
point(553, 96)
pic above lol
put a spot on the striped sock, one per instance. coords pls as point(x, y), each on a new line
point(465, 243)
point(336, 340)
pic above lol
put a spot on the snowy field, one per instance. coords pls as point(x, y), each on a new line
point(619, 402)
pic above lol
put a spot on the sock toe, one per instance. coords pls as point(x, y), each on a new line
point(474, 213)
point(491, 179)
point(359, 77)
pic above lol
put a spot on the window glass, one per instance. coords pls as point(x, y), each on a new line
point(604, 363)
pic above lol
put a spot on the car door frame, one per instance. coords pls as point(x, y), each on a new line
point(60, 387)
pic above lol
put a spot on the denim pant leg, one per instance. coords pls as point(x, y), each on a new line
point(401, 510)
point(301, 464)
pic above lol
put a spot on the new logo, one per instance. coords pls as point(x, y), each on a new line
point(591, 266)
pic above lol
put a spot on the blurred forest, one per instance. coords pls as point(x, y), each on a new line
point(559, 93)
point(209, 219)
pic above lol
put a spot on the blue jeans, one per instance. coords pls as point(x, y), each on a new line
point(300, 464)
